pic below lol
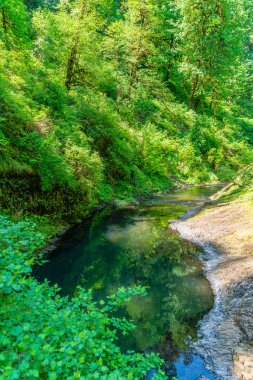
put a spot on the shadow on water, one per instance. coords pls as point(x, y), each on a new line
point(134, 246)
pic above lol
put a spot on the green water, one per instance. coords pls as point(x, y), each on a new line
point(135, 246)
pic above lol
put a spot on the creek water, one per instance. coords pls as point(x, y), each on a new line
point(124, 247)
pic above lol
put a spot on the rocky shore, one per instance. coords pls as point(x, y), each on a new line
point(225, 232)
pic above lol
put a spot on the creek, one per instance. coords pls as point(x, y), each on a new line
point(124, 247)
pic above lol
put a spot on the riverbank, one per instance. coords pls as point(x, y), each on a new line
point(225, 232)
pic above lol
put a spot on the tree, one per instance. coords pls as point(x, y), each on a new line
point(69, 38)
point(129, 42)
point(14, 23)
point(211, 35)
point(165, 37)
point(72, 60)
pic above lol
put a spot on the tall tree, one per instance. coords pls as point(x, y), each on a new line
point(211, 35)
point(70, 38)
point(14, 23)
point(72, 59)
point(165, 36)
point(129, 43)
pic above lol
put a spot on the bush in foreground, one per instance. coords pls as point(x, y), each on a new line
point(46, 336)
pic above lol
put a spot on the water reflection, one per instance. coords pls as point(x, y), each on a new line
point(134, 246)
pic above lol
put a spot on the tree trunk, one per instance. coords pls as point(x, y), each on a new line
point(135, 65)
point(74, 48)
point(5, 28)
point(169, 66)
point(4, 21)
point(133, 74)
point(120, 88)
point(193, 92)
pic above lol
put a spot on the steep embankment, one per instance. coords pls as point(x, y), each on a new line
point(225, 231)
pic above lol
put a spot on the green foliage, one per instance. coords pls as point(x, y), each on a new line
point(33, 4)
point(212, 44)
point(99, 99)
point(103, 99)
point(53, 337)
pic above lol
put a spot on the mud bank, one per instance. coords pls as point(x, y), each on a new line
point(225, 232)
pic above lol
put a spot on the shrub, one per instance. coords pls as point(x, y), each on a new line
point(54, 337)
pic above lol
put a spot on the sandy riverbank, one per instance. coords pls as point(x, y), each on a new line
point(225, 232)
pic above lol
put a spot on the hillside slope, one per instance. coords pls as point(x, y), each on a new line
point(106, 99)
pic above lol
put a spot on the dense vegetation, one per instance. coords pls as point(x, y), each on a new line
point(103, 99)
point(100, 100)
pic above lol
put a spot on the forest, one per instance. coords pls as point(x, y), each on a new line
point(100, 101)
point(107, 99)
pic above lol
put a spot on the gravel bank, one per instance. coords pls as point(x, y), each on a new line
point(225, 232)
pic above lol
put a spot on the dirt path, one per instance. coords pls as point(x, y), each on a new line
point(226, 334)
